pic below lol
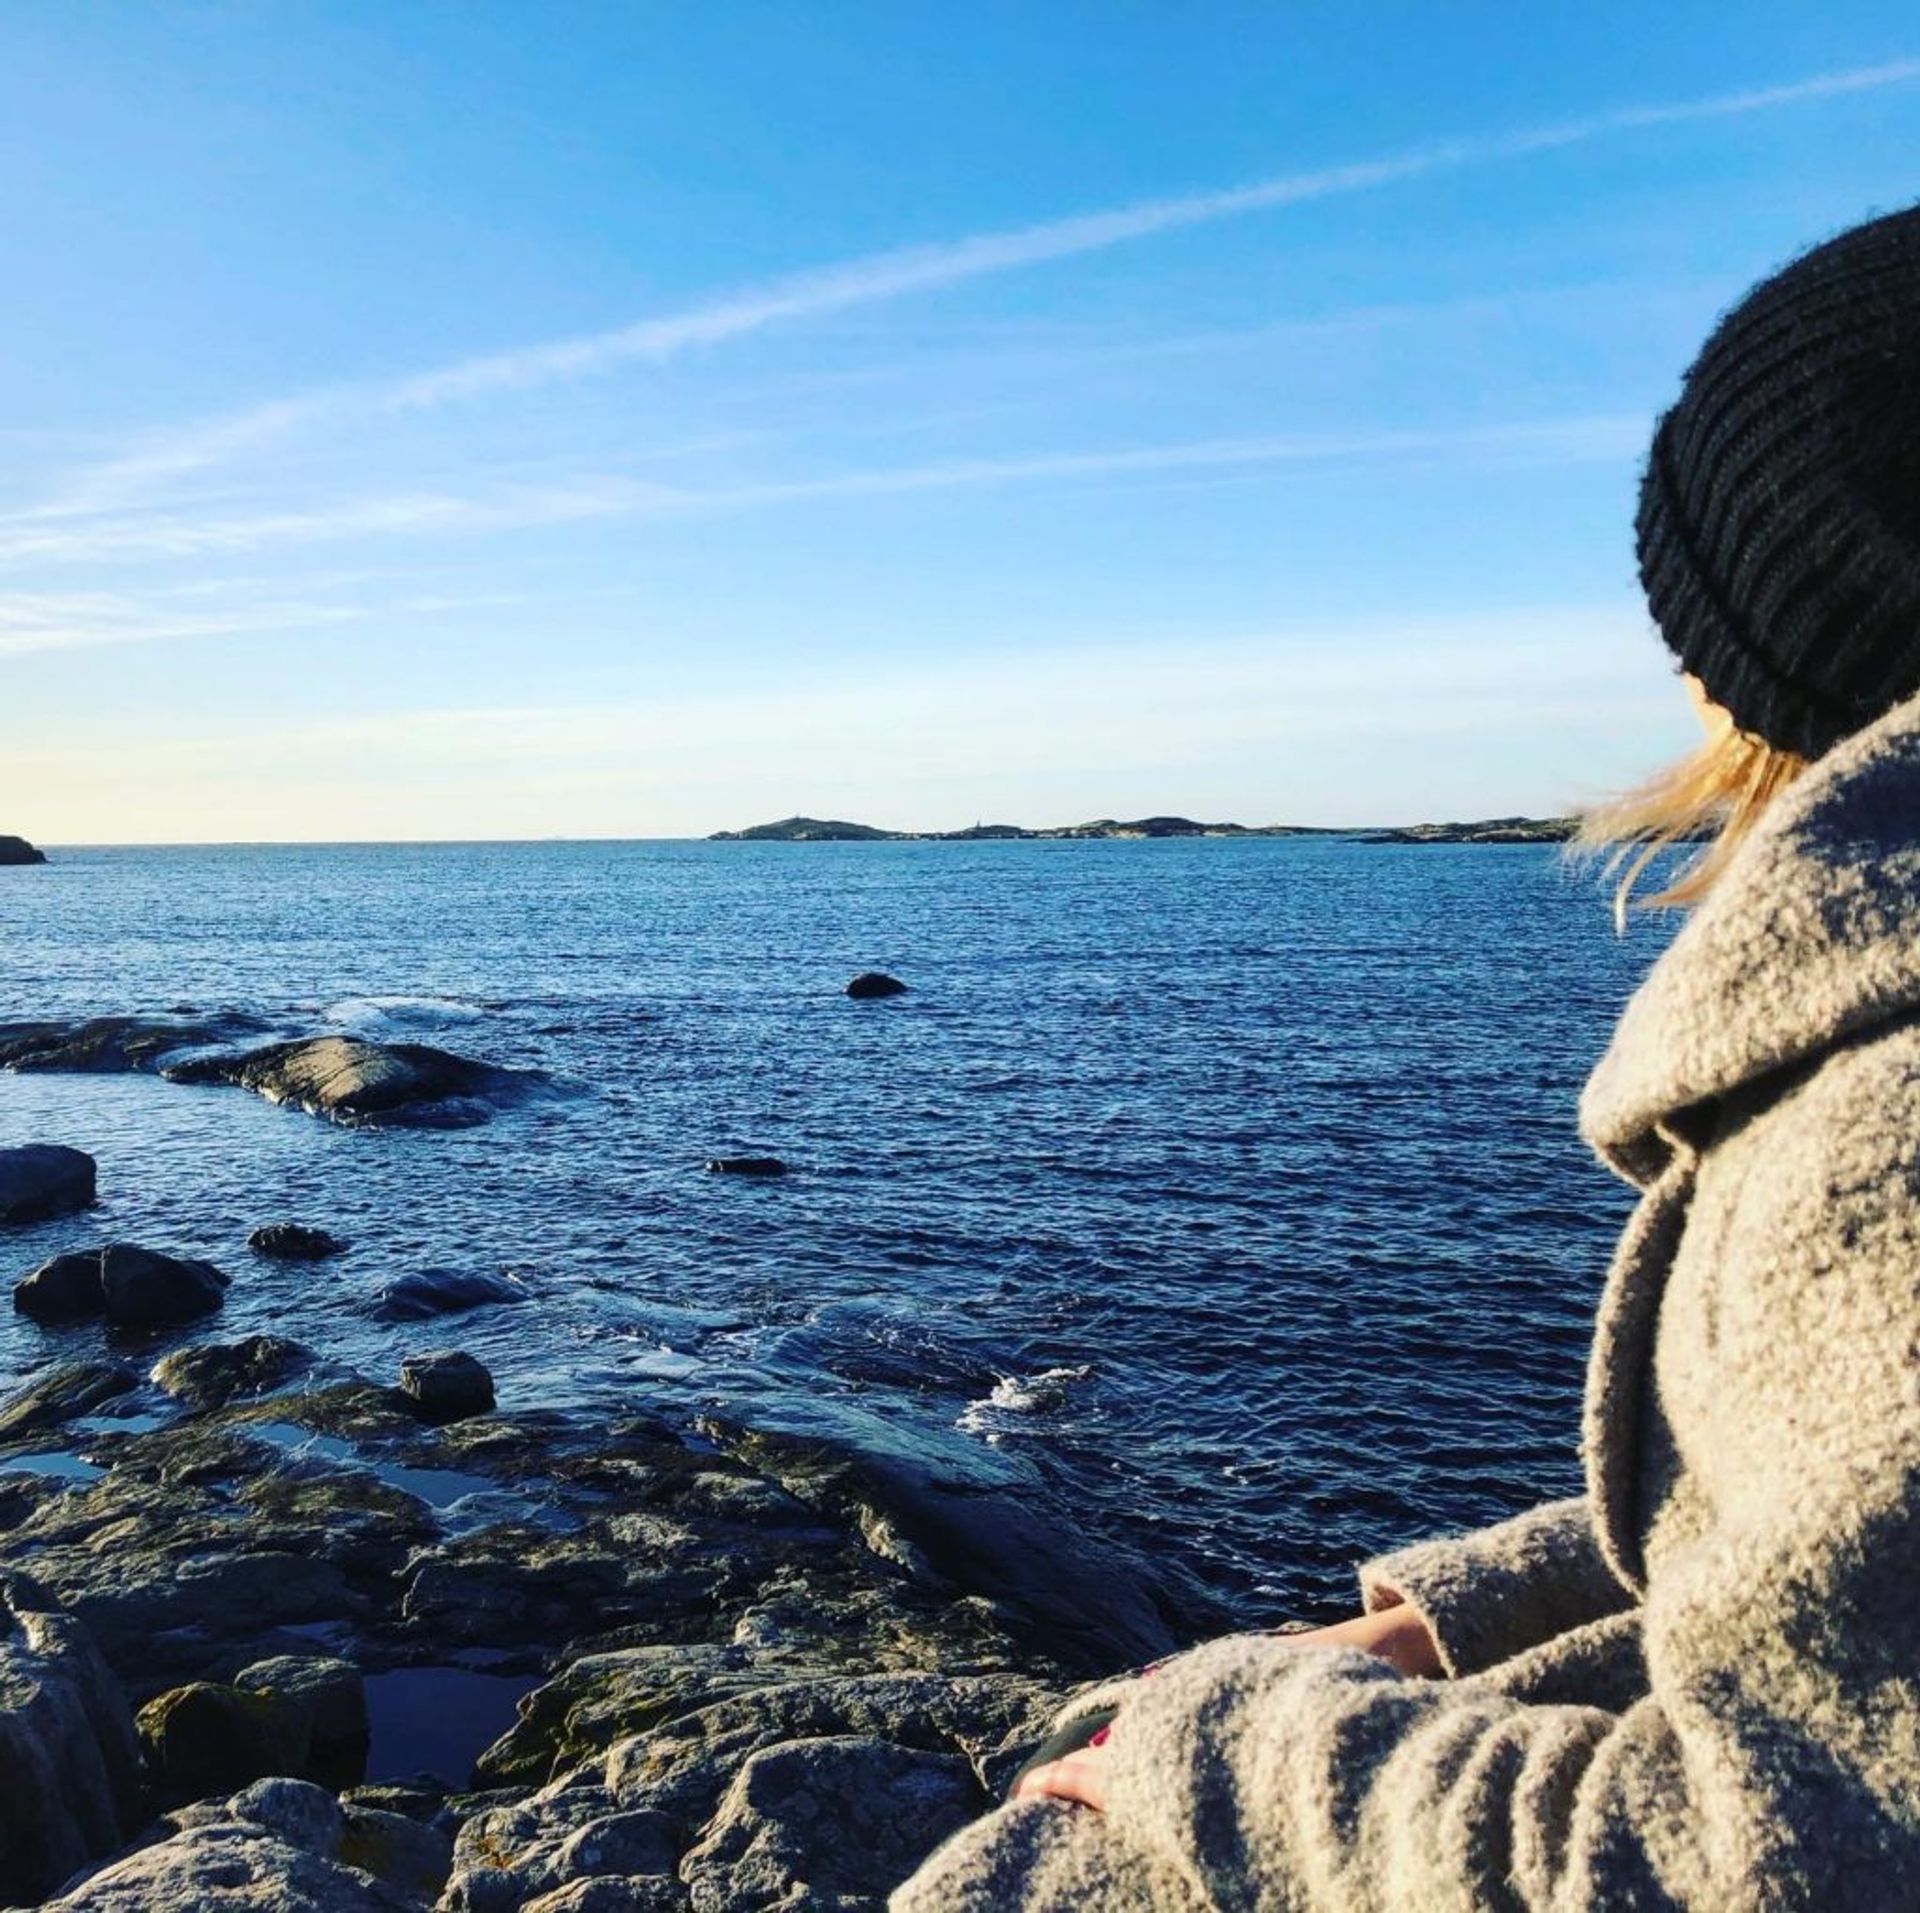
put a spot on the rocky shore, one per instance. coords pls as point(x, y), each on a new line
point(274, 1634)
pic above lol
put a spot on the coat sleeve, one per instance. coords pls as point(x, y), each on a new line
point(1775, 1757)
point(1495, 1593)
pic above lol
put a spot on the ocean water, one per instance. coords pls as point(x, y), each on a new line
point(1229, 1188)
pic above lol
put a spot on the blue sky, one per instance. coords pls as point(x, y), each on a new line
point(586, 420)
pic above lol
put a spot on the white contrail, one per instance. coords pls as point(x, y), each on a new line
point(445, 514)
point(889, 275)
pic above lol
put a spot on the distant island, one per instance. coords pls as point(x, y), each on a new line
point(16, 850)
point(828, 830)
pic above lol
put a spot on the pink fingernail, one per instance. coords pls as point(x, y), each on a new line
point(1100, 1739)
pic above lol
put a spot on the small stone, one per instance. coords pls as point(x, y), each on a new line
point(292, 1242)
point(41, 1180)
point(746, 1166)
point(875, 983)
point(446, 1385)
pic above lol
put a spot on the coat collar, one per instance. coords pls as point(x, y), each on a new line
point(1811, 935)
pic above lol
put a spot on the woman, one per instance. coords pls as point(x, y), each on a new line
point(1698, 1685)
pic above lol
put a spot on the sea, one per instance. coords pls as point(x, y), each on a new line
point(1225, 1191)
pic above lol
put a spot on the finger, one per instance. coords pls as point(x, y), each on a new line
point(1079, 1777)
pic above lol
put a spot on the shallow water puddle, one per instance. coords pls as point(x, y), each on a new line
point(438, 1720)
point(57, 1466)
point(442, 1489)
point(141, 1424)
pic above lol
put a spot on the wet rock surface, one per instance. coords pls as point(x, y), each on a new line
point(431, 1292)
point(745, 1166)
point(361, 1083)
point(749, 1670)
point(105, 1045)
point(39, 1181)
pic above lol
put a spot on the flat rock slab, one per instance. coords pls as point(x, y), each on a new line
point(41, 1180)
point(111, 1045)
point(352, 1081)
point(77, 1389)
point(211, 1374)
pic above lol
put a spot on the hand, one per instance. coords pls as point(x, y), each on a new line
point(1081, 1777)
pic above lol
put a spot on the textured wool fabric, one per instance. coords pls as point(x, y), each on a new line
point(1779, 524)
point(1700, 1686)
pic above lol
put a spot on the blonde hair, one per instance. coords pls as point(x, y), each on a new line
point(1713, 796)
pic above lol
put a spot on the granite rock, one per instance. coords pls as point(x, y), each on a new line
point(39, 1181)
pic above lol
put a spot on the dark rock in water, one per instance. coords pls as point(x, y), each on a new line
point(875, 983)
point(210, 1737)
point(107, 1045)
point(75, 1390)
point(69, 1764)
point(746, 1166)
point(443, 1292)
point(358, 1082)
point(65, 1288)
point(41, 1180)
point(447, 1385)
point(211, 1374)
point(130, 1286)
point(16, 850)
point(290, 1242)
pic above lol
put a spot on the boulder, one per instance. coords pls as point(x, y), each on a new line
point(76, 1389)
point(290, 1242)
point(42, 1180)
point(65, 1288)
point(746, 1166)
point(870, 984)
point(333, 1698)
point(409, 1857)
point(16, 851)
point(211, 1374)
point(131, 1287)
point(446, 1385)
point(211, 1737)
point(69, 1764)
point(361, 1083)
point(430, 1292)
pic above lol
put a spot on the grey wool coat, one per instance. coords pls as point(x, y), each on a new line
point(1697, 1686)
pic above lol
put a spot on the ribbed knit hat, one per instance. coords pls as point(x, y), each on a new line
point(1779, 524)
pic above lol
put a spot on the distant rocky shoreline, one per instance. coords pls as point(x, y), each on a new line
point(1493, 830)
point(17, 851)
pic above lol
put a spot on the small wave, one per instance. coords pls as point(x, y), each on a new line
point(1018, 1395)
point(399, 1012)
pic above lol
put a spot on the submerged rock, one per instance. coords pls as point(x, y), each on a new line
point(132, 1287)
point(430, 1292)
point(446, 1385)
point(16, 850)
point(69, 1764)
point(357, 1082)
point(211, 1374)
point(41, 1180)
point(875, 983)
point(105, 1045)
point(76, 1389)
point(291, 1242)
point(746, 1166)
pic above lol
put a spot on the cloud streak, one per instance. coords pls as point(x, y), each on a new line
point(894, 274)
point(444, 514)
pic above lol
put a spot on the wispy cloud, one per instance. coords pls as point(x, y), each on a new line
point(447, 514)
point(70, 621)
point(891, 275)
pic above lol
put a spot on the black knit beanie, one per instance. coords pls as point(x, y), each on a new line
point(1779, 522)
